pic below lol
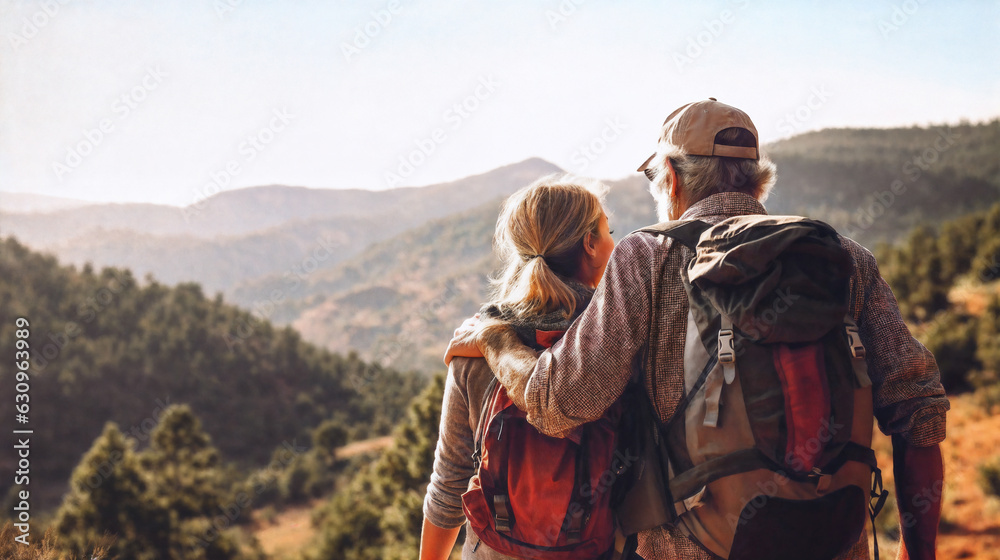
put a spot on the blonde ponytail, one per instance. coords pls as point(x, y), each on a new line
point(539, 238)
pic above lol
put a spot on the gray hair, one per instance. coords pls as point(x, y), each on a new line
point(703, 176)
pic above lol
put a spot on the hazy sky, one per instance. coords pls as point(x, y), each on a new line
point(169, 102)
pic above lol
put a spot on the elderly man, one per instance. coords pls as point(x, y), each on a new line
point(708, 166)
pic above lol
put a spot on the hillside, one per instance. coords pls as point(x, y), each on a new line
point(219, 264)
point(103, 348)
point(399, 301)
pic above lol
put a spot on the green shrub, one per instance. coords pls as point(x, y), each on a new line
point(988, 341)
point(952, 338)
point(989, 477)
point(988, 397)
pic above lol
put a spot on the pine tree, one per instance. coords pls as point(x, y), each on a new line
point(185, 465)
point(108, 495)
point(168, 502)
point(327, 437)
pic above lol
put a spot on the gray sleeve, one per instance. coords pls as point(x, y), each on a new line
point(453, 456)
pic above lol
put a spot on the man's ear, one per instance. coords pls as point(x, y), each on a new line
point(675, 190)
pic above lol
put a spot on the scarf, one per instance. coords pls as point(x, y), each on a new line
point(540, 331)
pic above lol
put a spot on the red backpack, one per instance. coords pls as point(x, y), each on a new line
point(539, 497)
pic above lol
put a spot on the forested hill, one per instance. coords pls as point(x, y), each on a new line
point(878, 184)
point(104, 348)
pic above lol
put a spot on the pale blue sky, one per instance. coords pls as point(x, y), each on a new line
point(270, 89)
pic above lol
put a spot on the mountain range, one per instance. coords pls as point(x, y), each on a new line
point(390, 273)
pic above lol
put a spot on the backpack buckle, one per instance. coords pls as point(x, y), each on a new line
point(502, 517)
point(822, 479)
point(727, 354)
point(854, 341)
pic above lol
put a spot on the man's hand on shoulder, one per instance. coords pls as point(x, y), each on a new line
point(511, 361)
point(464, 341)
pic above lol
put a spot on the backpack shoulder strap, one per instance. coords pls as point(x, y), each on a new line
point(487, 401)
point(481, 426)
point(686, 231)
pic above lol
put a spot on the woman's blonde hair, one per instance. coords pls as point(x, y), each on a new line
point(539, 238)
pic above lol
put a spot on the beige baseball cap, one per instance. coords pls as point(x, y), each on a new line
point(693, 128)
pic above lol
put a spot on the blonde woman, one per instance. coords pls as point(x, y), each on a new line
point(554, 241)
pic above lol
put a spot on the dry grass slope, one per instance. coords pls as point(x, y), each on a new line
point(970, 520)
point(44, 549)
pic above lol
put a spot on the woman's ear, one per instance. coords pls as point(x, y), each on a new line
point(590, 244)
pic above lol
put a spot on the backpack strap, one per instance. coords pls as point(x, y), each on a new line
point(856, 452)
point(477, 455)
point(577, 517)
point(502, 517)
point(713, 385)
point(689, 482)
point(686, 231)
point(857, 352)
point(879, 494)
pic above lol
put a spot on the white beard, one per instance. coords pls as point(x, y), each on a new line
point(665, 204)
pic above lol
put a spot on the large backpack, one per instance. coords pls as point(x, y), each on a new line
point(539, 497)
point(768, 454)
